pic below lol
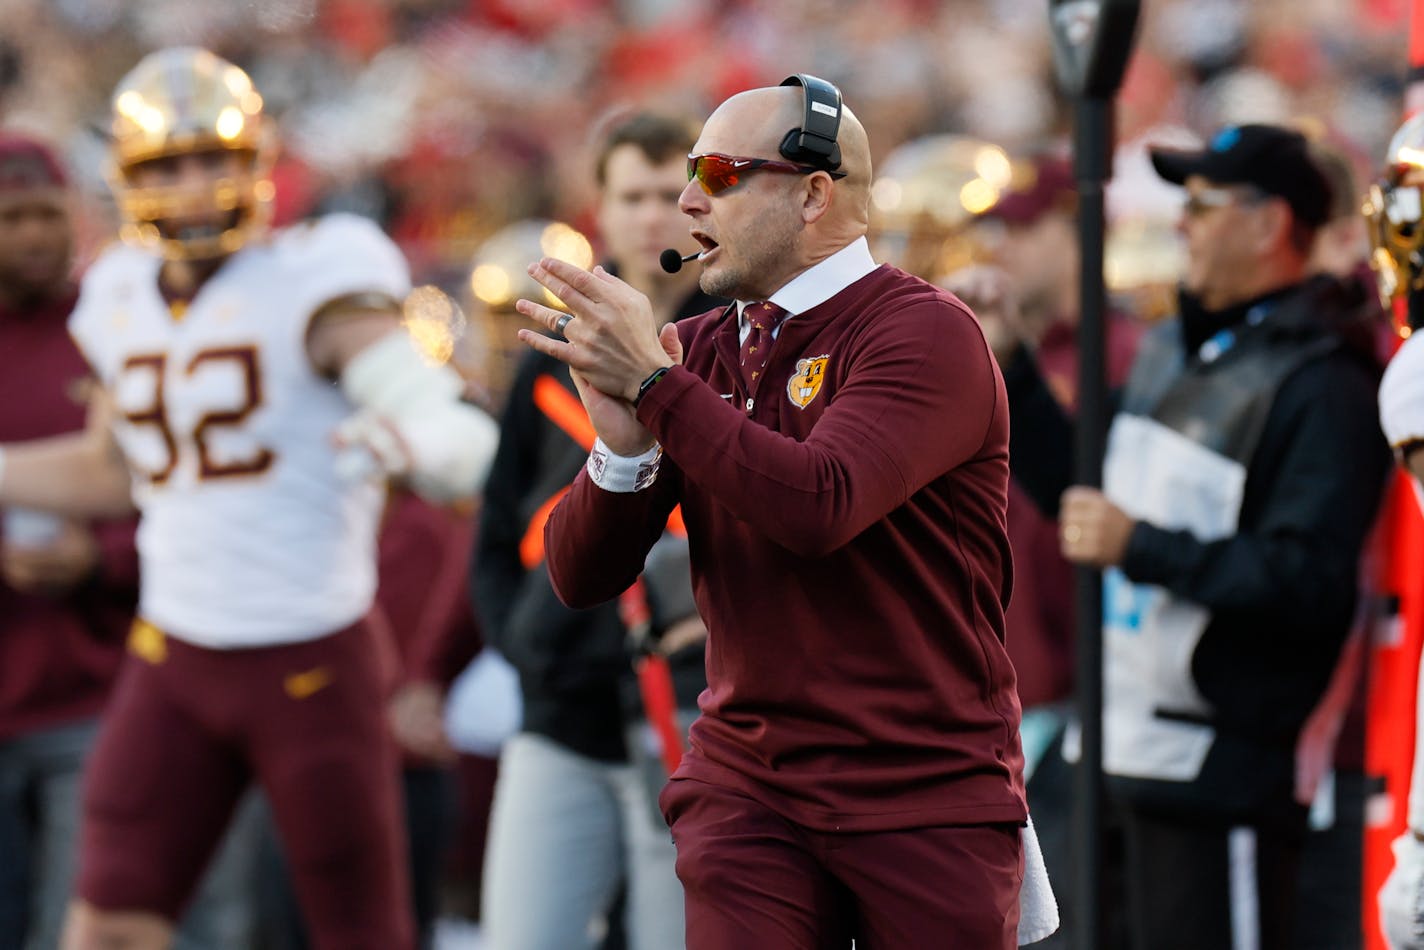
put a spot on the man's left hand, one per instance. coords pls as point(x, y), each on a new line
point(1092, 530)
point(612, 340)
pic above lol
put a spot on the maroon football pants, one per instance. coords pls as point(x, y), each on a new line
point(187, 729)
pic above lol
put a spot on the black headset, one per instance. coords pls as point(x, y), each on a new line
point(814, 141)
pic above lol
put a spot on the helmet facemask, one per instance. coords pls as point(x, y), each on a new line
point(1395, 212)
point(186, 101)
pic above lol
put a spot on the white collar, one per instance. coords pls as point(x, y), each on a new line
point(823, 280)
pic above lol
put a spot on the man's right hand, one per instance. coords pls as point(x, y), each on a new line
point(989, 293)
point(615, 420)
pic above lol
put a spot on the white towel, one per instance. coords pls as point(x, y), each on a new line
point(484, 707)
point(1038, 910)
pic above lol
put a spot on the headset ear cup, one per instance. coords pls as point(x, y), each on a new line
point(791, 146)
point(814, 141)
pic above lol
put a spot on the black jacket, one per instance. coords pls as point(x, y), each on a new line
point(573, 664)
point(1282, 590)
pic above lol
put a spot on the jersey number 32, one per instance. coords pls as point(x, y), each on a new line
point(156, 413)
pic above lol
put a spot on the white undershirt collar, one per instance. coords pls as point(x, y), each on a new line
point(819, 282)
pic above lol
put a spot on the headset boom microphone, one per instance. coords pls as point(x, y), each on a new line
point(672, 261)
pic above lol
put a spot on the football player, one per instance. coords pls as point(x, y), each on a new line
point(1396, 215)
point(253, 384)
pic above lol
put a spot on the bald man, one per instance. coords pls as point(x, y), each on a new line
point(838, 442)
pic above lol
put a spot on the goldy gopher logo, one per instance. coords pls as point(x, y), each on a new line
point(804, 386)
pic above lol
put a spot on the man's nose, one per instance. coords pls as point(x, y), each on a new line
point(693, 199)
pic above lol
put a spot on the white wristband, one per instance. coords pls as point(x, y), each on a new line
point(621, 473)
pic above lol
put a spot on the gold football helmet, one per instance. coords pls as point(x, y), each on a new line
point(179, 101)
point(1143, 259)
point(1396, 218)
point(927, 191)
point(498, 277)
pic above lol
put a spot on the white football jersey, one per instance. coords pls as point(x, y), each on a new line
point(248, 537)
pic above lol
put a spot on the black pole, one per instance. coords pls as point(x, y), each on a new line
point(1092, 167)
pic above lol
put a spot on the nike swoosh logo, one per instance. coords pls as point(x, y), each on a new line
point(148, 642)
point(304, 684)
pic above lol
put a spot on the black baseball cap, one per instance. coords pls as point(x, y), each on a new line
point(1273, 159)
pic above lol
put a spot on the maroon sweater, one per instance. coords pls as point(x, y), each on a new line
point(58, 655)
point(849, 557)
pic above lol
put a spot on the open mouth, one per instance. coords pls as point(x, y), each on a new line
point(708, 245)
point(197, 232)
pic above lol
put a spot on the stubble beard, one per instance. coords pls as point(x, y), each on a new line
point(763, 248)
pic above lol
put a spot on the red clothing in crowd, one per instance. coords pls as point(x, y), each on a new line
point(58, 654)
point(849, 557)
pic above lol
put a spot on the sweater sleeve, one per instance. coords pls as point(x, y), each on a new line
point(918, 398)
point(597, 540)
point(1311, 495)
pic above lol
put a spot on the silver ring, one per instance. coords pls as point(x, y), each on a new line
point(562, 322)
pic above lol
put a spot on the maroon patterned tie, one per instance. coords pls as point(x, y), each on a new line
point(763, 318)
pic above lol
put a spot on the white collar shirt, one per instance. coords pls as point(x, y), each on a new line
point(816, 284)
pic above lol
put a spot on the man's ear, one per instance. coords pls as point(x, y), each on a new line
point(1276, 222)
point(816, 196)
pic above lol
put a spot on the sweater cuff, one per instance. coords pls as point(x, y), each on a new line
point(621, 473)
point(1148, 557)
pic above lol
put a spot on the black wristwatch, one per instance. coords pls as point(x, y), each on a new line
point(647, 384)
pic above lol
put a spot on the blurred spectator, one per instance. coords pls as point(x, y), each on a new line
point(67, 587)
point(390, 90)
point(1330, 754)
point(1230, 543)
point(1031, 241)
point(1342, 243)
point(572, 816)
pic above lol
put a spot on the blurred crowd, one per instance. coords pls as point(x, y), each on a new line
point(446, 120)
point(467, 129)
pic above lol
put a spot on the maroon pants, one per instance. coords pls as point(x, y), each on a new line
point(187, 729)
point(754, 879)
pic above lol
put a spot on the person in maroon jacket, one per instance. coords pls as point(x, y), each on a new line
point(841, 458)
point(67, 587)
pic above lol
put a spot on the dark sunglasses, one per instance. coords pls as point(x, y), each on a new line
point(716, 173)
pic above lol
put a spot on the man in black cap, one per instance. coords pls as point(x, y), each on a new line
point(1242, 472)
